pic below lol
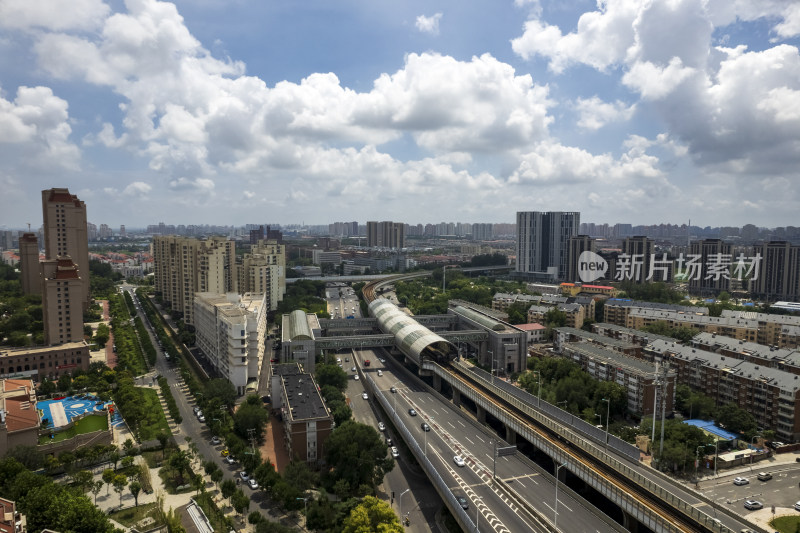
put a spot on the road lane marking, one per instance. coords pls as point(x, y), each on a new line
point(470, 441)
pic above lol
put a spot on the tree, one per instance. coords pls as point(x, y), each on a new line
point(96, 487)
point(372, 515)
point(332, 375)
point(27, 455)
point(227, 488)
point(135, 488)
point(59, 508)
point(46, 387)
point(83, 480)
point(250, 417)
point(108, 478)
point(357, 454)
point(198, 483)
point(179, 461)
point(216, 476)
point(736, 419)
point(65, 383)
point(240, 501)
point(221, 390)
point(119, 482)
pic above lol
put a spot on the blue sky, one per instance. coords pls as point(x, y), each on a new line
point(239, 111)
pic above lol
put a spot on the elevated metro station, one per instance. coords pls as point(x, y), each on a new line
point(465, 331)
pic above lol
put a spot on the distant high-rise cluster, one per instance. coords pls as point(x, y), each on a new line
point(543, 243)
point(184, 266)
point(386, 234)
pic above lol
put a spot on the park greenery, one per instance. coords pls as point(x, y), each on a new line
point(305, 295)
point(102, 279)
point(128, 349)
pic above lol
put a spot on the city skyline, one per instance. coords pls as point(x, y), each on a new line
point(623, 110)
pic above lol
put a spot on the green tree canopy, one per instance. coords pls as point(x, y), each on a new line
point(331, 375)
point(356, 453)
point(372, 516)
point(250, 417)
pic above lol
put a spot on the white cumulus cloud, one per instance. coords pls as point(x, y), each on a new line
point(595, 113)
point(428, 24)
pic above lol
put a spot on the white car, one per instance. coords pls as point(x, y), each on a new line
point(395, 452)
point(740, 481)
point(356, 377)
point(365, 395)
point(459, 461)
point(244, 476)
point(797, 506)
point(381, 426)
point(215, 440)
point(380, 373)
point(253, 483)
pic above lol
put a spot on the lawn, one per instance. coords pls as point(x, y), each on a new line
point(86, 424)
point(130, 517)
point(786, 523)
point(154, 421)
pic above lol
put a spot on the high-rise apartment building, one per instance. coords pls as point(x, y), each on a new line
point(62, 296)
point(386, 234)
point(779, 275)
point(29, 264)
point(543, 243)
point(184, 266)
point(230, 330)
point(638, 252)
point(714, 257)
point(263, 271)
point(578, 245)
point(482, 232)
point(65, 233)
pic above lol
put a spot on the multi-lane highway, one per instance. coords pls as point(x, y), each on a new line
point(454, 433)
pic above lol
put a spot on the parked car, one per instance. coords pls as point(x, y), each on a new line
point(365, 395)
point(753, 505)
point(253, 483)
point(201, 418)
point(797, 506)
point(196, 409)
point(459, 461)
point(244, 475)
point(230, 460)
point(395, 452)
point(353, 369)
point(764, 476)
point(740, 481)
point(356, 377)
point(380, 373)
point(215, 440)
point(381, 426)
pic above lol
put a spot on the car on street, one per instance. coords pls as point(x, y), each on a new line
point(740, 481)
point(753, 505)
point(346, 359)
point(356, 377)
point(382, 360)
point(381, 426)
point(230, 460)
point(196, 409)
point(393, 389)
point(425, 426)
point(365, 396)
point(215, 440)
point(797, 506)
point(463, 502)
point(201, 418)
point(253, 484)
point(395, 452)
point(353, 369)
point(389, 441)
point(244, 475)
point(459, 461)
point(764, 476)
point(380, 373)
point(412, 412)
point(225, 453)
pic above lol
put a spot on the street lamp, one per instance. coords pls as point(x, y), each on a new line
point(697, 460)
point(571, 416)
point(395, 398)
point(305, 512)
point(426, 439)
point(400, 500)
point(555, 518)
point(608, 417)
point(491, 353)
point(477, 508)
point(539, 380)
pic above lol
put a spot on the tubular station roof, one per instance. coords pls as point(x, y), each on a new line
point(298, 326)
point(410, 336)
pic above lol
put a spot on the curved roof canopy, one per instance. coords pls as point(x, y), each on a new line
point(298, 326)
point(412, 338)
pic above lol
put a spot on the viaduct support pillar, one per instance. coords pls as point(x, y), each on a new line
point(437, 383)
point(457, 397)
point(511, 435)
point(481, 414)
point(629, 522)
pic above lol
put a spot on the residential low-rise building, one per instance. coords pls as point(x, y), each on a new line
point(11, 520)
point(44, 361)
point(738, 328)
point(19, 419)
point(630, 335)
point(569, 334)
point(575, 314)
point(775, 330)
point(771, 395)
point(636, 375)
point(306, 419)
point(535, 332)
point(617, 310)
point(230, 330)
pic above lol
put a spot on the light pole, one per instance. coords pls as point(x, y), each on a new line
point(539, 380)
point(400, 500)
point(600, 417)
point(426, 439)
point(477, 507)
point(571, 416)
point(555, 518)
point(608, 416)
point(491, 354)
point(305, 512)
